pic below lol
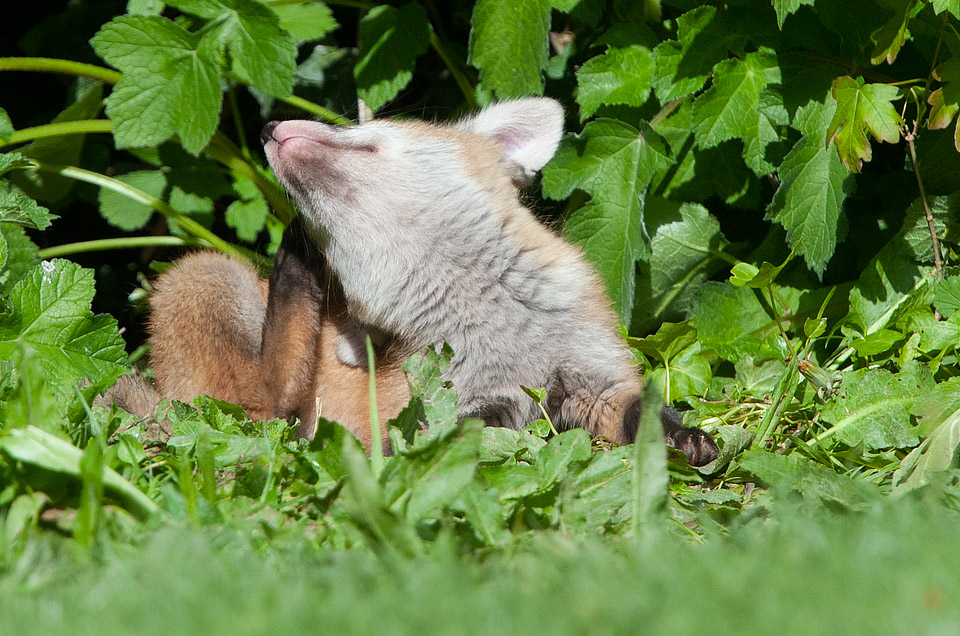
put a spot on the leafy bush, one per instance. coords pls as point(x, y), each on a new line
point(769, 192)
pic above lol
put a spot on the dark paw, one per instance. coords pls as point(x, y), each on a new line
point(698, 446)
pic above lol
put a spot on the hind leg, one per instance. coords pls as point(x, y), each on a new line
point(220, 330)
point(206, 330)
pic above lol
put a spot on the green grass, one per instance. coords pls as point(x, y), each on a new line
point(891, 569)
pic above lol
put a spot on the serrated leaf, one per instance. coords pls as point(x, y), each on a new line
point(170, 84)
point(683, 370)
point(259, 51)
point(247, 218)
point(508, 44)
point(613, 162)
point(21, 255)
point(953, 6)
point(487, 517)
point(619, 76)
point(561, 451)
point(786, 7)
point(432, 481)
point(813, 187)
point(602, 492)
point(704, 38)
point(391, 40)
point(728, 319)
point(895, 273)
point(6, 126)
point(739, 105)
point(684, 241)
point(812, 480)
point(49, 312)
point(124, 213)
point(939, 411)
point(945, 101)
point(873, 409)
point(16, 207)
point(12, 161)
point(305, 22)
point(862, 108)
point(946, 296)
point(890, 37)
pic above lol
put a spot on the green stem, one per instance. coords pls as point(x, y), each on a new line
point(50, 65)
point(356, 4)
point(111, 244)
point(57, 129)
point(237, 122)
point(222, 150)
point(453, 65)
point(315, 109)
point(376, 443)
point(191, 226)
point(301, 103)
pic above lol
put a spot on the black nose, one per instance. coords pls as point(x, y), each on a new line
point(267, 133)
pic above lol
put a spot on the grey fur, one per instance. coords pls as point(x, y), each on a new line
point(424, 229)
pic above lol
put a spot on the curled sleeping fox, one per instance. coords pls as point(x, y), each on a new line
point(413, 233)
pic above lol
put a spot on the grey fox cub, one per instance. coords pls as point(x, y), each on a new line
point(414, 233)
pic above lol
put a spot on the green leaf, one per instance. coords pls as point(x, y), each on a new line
point(601, 492)
point(945, 101)
point(946, 296)
point(367, 507)
point(650, 477)
point(21, 255)
point(561, 451)
point(305, 22)
point(953, 6)
point(683, 247)
point(6, 126)
point(170, 83)
point(124, 213)
point(739, 105)
point(613, 162)
point(813, 187)
point(39, 448)
point(730, 320)
point(487, 517)
point(812, 480)
point(247, 218)
point(786, 7)
point(873, 409)
point(862, 108)
point(891, 37)
point(259, 51)
point(681, 67)
point(508, 44)
point(895, 274)
point(619, 76)
point(684, 370)
point(16, 207)
point(391, 40)
point(431, 481)
point(49, 313)
point(61, 150)
point(939, 411)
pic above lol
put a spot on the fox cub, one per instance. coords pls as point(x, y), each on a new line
point(412, 233)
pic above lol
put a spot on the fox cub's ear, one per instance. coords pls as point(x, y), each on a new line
point(529, 130)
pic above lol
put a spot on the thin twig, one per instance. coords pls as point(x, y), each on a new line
point(909, 137)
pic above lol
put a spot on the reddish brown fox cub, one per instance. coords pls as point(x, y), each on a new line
point(412, 233)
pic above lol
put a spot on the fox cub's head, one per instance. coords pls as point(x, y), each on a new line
point(387, 179)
